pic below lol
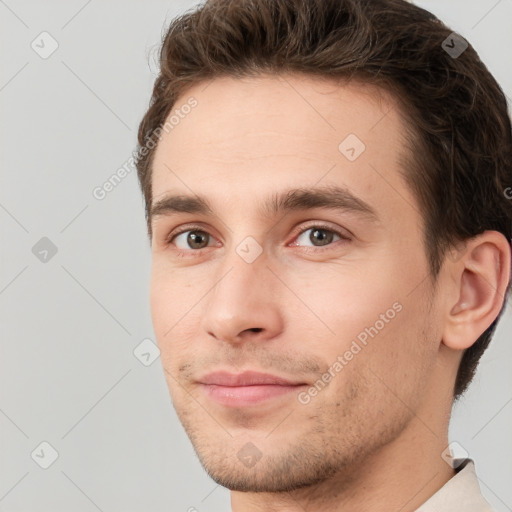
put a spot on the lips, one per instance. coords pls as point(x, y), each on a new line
point(248, 378)
point(247, 388)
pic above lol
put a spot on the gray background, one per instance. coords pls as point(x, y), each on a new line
point(70, 324)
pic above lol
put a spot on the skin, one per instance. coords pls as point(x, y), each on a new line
point(372, 439)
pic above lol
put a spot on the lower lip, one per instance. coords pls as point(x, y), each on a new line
point(236, 396)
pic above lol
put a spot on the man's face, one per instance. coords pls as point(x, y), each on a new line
point(334, 300)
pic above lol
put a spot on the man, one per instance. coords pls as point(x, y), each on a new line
point(325, 187)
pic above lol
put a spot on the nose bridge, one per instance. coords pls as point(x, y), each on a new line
point(241, 298)
point(239, 280)
point(244, 265)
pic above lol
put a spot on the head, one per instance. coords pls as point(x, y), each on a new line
point(394, 294)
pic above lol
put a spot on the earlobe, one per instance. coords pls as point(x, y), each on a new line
point(481, 277)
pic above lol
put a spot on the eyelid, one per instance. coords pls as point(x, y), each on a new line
point(344, 234)
point(183, 229)
point(301, 228)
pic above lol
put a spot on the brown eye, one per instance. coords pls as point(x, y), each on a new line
point(195, 239)
point(318, 236)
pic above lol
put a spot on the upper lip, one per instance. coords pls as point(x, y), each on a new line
point(248, 378)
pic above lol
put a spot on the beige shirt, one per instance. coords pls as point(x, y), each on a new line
point(460, 494)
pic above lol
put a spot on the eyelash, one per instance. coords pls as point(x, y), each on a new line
point(186, 253)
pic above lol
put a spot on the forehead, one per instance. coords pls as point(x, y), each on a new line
point(269, 132)
point(229, 110)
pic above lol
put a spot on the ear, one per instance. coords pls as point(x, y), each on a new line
point(480, 277)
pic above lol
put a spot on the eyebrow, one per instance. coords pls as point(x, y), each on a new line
point(296, 199)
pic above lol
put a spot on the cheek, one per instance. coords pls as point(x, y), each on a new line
point(368, 318)
point(399, 355)
point(165, 306)
point(346, 302)
point(375, 370)
point(174, 313)
point(169, 295)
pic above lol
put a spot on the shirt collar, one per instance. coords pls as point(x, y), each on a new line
point(461, 492)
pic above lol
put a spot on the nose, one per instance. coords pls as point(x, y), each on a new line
point(244, 303)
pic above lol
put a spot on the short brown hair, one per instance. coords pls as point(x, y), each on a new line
point(459, 162)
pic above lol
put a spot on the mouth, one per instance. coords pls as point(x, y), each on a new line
point(245, 389)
